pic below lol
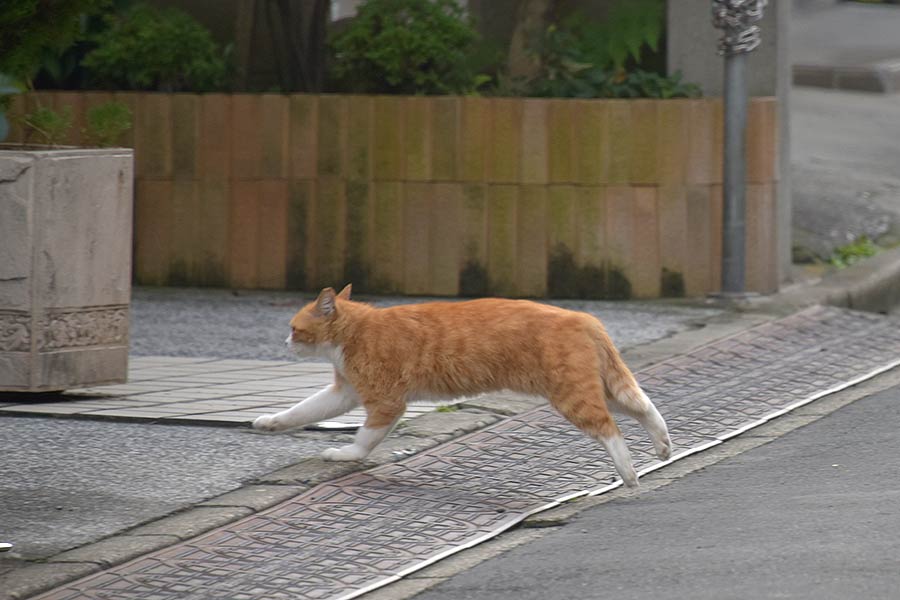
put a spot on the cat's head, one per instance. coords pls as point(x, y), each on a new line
point(311, 326)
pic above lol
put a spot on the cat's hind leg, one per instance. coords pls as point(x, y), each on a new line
point(380, 421)
point(336, 399)
point(631, 401)
point(586, 409)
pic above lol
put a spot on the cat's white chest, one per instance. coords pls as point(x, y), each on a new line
point(335, 355)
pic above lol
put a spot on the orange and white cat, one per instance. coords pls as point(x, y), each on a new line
point(386, 357)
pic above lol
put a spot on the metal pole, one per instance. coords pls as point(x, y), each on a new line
point(739, 37)
point(734, 169)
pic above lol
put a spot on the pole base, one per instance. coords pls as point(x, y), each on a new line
point(734, 296)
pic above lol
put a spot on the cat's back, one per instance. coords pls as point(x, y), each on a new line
point(449, 348)
point(484, 316)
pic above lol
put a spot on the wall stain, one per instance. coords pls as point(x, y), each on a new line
point(565, 279)
point(473, 280)
point(671, 284)
point(358, 273)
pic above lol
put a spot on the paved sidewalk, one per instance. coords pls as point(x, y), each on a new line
point(171, 389)
point(369, 529)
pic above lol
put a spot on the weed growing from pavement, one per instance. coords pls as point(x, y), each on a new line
point(862, 247)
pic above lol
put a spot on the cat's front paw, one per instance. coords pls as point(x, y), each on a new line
point(266, 423)
point(664, 449)
point(344, 453)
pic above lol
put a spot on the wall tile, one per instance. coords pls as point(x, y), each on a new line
point(592, 141)
point(644, 146)
point(303, 135)
point(417, 145)
point(275, 135)
point(389, 162)
point(475, 124)
point(531, 241)
point(534, 149)
point(246, 150)
point(505, 142)
point(501, 238)
point(561, 141)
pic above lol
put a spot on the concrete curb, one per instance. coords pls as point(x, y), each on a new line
point(871, 285)
point(881, 76)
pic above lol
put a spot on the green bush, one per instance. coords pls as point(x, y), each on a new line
point(106, 123)
point(32, 29)
point(161, 49)
point(631, 27)
point(50, 126)
point(406, 47)
point(581, 59)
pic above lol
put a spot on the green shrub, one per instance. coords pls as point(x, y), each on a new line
point(163, 49)
point(581, 59)
point(32, 29)
point(106, 123)
point(50, 126)
point(630, 27)
point(406, 47)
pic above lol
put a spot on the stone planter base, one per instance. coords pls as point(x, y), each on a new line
point(65, 267)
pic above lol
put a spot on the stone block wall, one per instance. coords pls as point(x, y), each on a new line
point(441, 195)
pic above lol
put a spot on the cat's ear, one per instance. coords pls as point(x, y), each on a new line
point(325, 302)
point(345, 293)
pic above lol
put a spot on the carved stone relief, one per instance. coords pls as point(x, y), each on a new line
point(65, 329)
point(15, 332)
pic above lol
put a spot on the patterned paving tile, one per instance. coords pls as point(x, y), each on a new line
point(354, 534)
point(200, 390)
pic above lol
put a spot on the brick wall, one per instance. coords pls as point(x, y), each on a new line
point(439, 195)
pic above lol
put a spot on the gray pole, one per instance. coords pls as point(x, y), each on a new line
point(739, 37)
point(734, 169)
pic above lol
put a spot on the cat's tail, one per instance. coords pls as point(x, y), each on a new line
point(626, 396)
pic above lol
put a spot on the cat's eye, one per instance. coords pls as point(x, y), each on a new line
point(301, 336)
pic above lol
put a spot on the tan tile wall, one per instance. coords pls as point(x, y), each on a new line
point(438, 196)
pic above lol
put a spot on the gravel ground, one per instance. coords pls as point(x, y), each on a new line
point(253, 325)
point(64, 482)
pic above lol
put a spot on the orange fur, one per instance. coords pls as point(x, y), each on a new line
point(449, 349)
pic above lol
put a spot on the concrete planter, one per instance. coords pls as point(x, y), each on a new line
point(65, 267)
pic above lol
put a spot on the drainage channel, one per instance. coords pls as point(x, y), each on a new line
point(352, 535)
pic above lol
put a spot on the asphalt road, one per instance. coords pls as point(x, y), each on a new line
point(814, 514)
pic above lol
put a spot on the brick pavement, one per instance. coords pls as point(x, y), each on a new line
point(365, 530)
point(197, 390)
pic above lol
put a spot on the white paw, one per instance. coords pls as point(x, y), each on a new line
point(630, 478)
point(664, 449)
point(344, 453)
point(266, 423)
